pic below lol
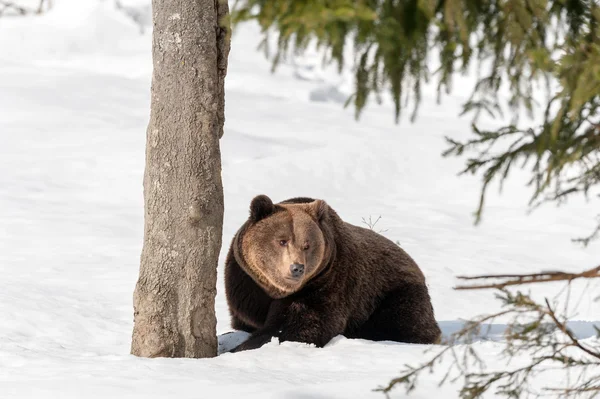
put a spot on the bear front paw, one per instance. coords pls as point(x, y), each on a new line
point(309, 336)
point(254, 342)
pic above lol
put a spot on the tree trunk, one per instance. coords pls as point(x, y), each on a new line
point(174, 299)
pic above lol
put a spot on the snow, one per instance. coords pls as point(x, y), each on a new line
point(74, 106)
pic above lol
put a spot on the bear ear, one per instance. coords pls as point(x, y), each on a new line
point(261, 207)
point(318, 209)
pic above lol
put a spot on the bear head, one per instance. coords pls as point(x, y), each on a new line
point(284, 246)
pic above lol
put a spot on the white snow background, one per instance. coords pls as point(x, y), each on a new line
point(74, 106)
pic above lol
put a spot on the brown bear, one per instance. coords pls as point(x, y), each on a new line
point(296, 271)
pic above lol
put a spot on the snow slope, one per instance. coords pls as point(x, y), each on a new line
point(74, 104)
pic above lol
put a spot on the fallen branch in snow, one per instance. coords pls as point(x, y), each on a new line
point(521, 279)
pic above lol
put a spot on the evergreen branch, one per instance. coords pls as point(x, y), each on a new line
point(536, 337)
point(470, 329)
point(478, 383)
point(591, 385)
point(409, 378)
point(520, 40)
point(562, 327)
point(568, 391)
point(586, 240)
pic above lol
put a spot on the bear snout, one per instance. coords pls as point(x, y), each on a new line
point(297, 270)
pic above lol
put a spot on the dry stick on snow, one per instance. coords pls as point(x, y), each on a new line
point(520, 279)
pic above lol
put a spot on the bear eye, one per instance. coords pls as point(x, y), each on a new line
point(283, 243)
point(306, 246)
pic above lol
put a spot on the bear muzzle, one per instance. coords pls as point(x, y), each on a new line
point(296, 270)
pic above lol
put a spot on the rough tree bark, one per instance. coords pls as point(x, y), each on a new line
point(175, 294)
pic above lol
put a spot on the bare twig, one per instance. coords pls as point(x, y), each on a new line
point(372, 223)
point(520, 279)
point(568, 391)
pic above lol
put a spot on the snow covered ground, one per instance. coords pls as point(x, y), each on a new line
point(74, 105)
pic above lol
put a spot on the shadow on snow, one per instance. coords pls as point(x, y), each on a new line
point(488, 332)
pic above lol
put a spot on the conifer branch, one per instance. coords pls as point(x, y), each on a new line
point(563, 327)
point(534, 329)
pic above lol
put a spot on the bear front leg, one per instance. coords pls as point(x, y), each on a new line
point(298, 322)
point(310, 324)
point(240, 325)
point(264, 335)
point(248, 304)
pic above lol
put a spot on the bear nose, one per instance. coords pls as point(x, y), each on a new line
point(297, 270)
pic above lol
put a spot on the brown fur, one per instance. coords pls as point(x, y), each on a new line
point(357, 283)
